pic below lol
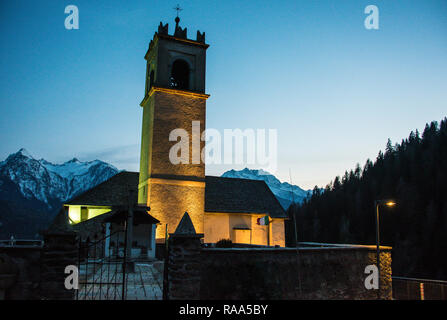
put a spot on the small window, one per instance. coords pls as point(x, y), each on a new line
point(84, 214)
point(180, 75)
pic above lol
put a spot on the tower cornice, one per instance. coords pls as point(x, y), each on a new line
point(174, 91)
point(189, 41)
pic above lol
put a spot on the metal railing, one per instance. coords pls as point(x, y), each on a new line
point(419, 289)
point(21, 243)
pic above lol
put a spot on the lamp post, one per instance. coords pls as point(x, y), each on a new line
point(377, 203)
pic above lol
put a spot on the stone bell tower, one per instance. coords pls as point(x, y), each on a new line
point(174, 99)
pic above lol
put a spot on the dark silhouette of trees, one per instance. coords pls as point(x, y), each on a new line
point(414, 173)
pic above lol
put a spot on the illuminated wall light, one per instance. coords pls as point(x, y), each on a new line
point(74, 213)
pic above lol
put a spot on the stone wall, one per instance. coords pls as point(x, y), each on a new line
point(39, 271)
point(279, 273)
point(25, 264)
point(59, 251)
point(326, 272)
point(184, 268)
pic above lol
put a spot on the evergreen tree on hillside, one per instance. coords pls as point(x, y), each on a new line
point(414, 172)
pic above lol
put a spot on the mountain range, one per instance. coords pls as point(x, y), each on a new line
point(285, 192)
point(32, 190)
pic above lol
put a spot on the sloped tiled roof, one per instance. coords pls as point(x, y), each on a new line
point(241, 196)
point(229, 195)
point(112, 192)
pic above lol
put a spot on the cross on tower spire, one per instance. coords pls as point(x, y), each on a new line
point(178, 9)
point(179, 32)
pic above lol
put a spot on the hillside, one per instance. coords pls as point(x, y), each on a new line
point(414, 173)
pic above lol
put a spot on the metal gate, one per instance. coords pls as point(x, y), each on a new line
point(102, 267)
point(419, 289)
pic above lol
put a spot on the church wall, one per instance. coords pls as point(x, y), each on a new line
point(169, 202)
point(278, 233)
point(259, 233)
point(216, 227)
point(219, 226)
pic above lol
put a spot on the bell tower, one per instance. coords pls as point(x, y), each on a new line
point(174, 98)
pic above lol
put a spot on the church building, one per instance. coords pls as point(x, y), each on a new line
point(245, 211)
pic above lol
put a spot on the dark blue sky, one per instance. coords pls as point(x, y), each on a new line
point(334, 90)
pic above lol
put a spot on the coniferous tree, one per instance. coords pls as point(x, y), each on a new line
point(414, 172)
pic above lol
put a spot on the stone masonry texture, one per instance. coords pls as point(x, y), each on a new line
point(278, 273)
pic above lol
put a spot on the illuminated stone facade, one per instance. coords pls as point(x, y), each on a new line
point(174, 99)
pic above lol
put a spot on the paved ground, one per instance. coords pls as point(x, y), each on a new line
point(104, 282)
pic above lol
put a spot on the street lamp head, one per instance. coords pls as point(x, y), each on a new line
point(387, 202)
point(390, 203)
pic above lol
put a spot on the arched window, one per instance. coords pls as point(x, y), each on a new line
point(180, 75)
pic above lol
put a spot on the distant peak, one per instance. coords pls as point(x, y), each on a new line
point(25, 153)
point(257, 172)
point(246, 170)
point(285, 192)
point(73, 160)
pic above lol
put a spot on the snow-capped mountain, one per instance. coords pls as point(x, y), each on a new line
point(282, 190)
point(32, 191)
point(53, 183)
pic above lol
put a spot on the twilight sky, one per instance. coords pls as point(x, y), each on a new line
point(334, 90)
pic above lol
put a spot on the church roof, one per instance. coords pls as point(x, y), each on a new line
point(112, 192)
point(236, 195)
point(140, 215)
point(226, 195)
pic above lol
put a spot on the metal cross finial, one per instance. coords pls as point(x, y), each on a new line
point(178, 9)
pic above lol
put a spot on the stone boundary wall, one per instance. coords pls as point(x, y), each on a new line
point(184, 268)
point(38, 272)
point(329, 272)
point(22, 266)
point(60, 250)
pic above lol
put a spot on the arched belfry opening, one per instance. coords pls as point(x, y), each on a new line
point(180, 75)
point(151, 79)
